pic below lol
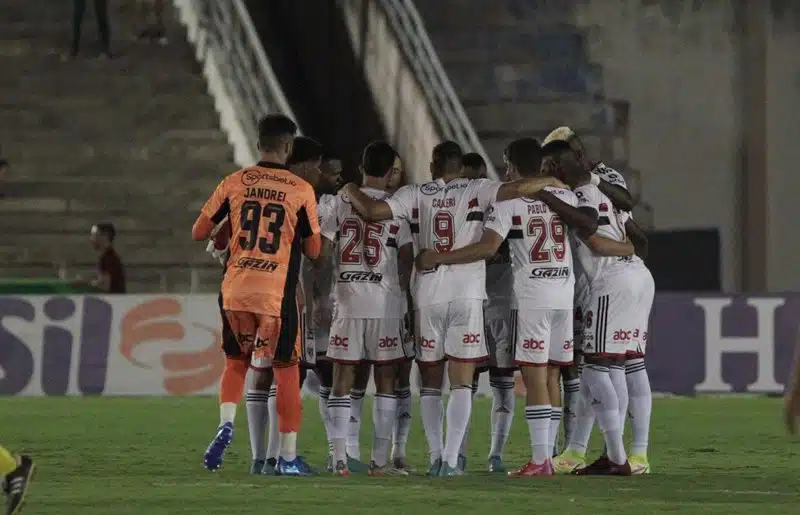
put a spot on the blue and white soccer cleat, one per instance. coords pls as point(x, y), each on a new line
point(257, 467)
point(212, 459)
point(296, 467)
point(447, 471)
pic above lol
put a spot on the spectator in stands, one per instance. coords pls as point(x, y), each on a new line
point(5, 166)
point(110, 276)
point(101, 18)
point(152, 15)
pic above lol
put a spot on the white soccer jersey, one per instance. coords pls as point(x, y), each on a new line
point(540, 251)
point(609, 175)
point(446, 216)
point(598, 268)
point(367, 280)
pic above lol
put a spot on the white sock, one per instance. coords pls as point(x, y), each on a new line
point(324, 394)
point(459, 409)
point(257, 404)
point(227, 412)
point(641, 405)
point(617, 375)
point(288, 446)
point(555, 422)
point(584, 421)
point(605, 403)
point(572, 397)
point(462, 451)
point(273, 441)
point(430, 407)
point(538, 418)
point(354, 431)
point(339, 411)
point(503, 401)
point(402, 424)
point(383, 410)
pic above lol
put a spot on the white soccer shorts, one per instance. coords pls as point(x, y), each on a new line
point(498, 339)
point(451, 330)
point(374, 340)
point(615, 320)
point(542, 337)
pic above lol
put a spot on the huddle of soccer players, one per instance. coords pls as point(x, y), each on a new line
point(554, 245)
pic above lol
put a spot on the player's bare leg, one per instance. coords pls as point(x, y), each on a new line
point(604, 402)
point(339, 410)
point(257, 404)
point(357, 393)
point(430, 403)
point(324, 373)
point(503, 399)
point(230, 394)
point(402, 425)
point(537, 415)
point(462, 451)
point(640, 408)
point(459, 411)
point(383, 413)
point(556, 408)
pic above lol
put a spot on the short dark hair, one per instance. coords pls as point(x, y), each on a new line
point(378, 158)
point(473, 160)
point(304, 149)
point(108, 230)
point(272, 129)
point(556, 147)
point(445, 151)
point(525, 154)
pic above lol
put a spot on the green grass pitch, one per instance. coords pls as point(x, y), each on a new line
point(117, 456)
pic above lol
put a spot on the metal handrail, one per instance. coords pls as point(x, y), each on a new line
point(442, 99)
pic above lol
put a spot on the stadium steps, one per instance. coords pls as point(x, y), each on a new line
point(133, 140)
point(521, 68)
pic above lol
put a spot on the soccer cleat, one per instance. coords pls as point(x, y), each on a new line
point(400, 464)
point(604, 467)
point(462, 463)
point(531, 469)
point(387, 470)
point(355, 466)
point(212, 459)
point(568, 461)
point(496, 465)
point(435, 467)
point(329, 463)
point(340, 469)
point(269, 467)
point(16, 484)
point(447, 471)
point(296, 467)
point(257, 467)
point(639, 465)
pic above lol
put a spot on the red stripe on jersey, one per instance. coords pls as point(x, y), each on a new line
point(415, 213)
point(472, 203)
point(393, 229)
point(516, 220)
point(603, 207)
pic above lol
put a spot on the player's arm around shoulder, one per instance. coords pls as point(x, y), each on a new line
point(564, 204)
point(526, 187)
point(613, 186)
point(370, 209)
point(637, 236)
point(308, 223)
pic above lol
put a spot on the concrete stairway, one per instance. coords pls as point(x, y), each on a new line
point(520, 68)
point(134, 141)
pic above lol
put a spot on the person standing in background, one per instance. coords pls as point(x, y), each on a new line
point(110, 277)
point(103, 29)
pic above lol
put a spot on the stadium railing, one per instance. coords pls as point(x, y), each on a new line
point(237, 70)
point(416, 49)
